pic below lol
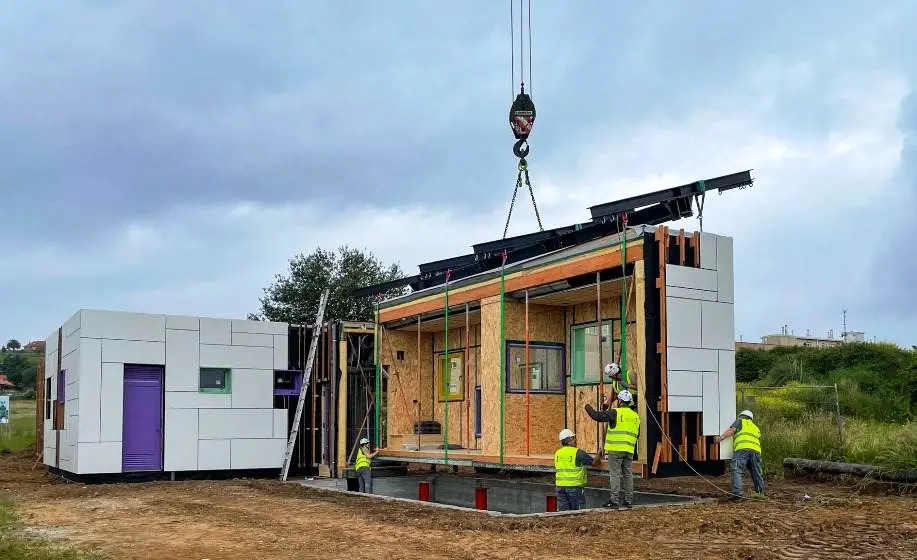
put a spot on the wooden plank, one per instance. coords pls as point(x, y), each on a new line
point(657, 456)
point(40, 410)
point(342, 407)
point(681, 247)
point(684, 435)
point(640, 361)
point(586, 264)
point(662, 238)
point(695, 245)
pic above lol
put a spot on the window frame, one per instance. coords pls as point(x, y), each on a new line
point(442, 357)
point(478, 413)
point(615, 348)
point(48, 401)
point(227, 377)
point(535, 344)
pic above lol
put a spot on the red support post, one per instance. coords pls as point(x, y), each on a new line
point(423, 491)
point(480, 498)
point(550, 502)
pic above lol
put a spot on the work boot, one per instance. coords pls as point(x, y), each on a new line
point(612, 505)
point(627, 506)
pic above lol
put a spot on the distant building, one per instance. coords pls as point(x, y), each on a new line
point(774, 340)
point(35, 346)
point(5, 383)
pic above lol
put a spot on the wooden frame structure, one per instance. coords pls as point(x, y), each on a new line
point(617, 280)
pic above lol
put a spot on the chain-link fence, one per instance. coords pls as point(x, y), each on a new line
point(796, 421)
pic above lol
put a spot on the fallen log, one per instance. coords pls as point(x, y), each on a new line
point(854, 469)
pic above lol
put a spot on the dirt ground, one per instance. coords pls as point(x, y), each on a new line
point(266, 520)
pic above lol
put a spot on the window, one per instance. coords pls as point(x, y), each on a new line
point(585, 340)
point(215, 380)
point(545, 367)
point(48, 398)
point(586, 367)
point(477, 411)
point(451, 380)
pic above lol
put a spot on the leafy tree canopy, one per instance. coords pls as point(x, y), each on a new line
point(293, 297)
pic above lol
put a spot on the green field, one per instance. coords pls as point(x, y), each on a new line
point(20, 432)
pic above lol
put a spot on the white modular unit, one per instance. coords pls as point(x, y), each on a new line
point(700, 346)
point(146, 392)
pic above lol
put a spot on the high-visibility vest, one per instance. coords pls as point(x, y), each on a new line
point(623, 437)
point(362, 460)
point(748, 436)
point(566, 473)
point(616, 387)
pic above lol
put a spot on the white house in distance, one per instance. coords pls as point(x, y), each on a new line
point(144, 393)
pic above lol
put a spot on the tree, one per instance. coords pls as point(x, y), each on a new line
point(13, 344)
point(19, 370)
point(294, 297)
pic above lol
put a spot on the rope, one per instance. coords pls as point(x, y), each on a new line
point(512, 54)
point(378, 395)
point(531, 83)
point(447, 366)
point(521, 50)
point(502, 355)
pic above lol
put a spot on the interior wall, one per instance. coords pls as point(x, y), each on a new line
point(409, 381)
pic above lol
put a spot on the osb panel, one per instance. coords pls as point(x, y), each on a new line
point(546, 420)
point(461, 413)
point(546, 323)
point(410, 379)
point(490, 381)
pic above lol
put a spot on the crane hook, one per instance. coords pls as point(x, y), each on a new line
point(521, 121)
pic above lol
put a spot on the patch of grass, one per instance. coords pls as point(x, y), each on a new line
point(13, 546)
point(814, 435)
point(19, 434)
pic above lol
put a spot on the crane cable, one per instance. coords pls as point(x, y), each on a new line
point(522, 110)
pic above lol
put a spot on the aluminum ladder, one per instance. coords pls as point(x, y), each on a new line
point(307, 374)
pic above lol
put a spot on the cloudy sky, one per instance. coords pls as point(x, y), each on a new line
point(168, 156)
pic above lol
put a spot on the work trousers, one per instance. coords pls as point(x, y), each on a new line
point(751, 460)
point(620, 466)
point(365, 480)
point(570, 498)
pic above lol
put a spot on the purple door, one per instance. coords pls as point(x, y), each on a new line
point(142, 433)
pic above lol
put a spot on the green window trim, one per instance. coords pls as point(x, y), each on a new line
point(610, 350)
point(227, 378)
point(457, 358)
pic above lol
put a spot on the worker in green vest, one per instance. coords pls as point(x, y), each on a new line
point(746, 453)
point(570, 473)
point(620, 446)
point(364, 467)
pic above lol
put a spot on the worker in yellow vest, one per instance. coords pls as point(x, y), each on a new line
point(363, 466)
point(746, 453)
point(570, 473)
point(620, 446)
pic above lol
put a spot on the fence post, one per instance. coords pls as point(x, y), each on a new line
point(840, 421)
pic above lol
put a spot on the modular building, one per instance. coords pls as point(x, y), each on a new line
point(494, 353)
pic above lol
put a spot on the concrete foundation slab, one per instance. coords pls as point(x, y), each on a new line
point(503, 496)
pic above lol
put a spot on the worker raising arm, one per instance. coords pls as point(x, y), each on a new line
point(363, 466)
point(620, 445)
point(747, 452)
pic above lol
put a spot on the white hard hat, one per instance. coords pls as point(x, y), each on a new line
point(565, 433)
point(364, 441)
point(747, 413)
point(625, 396)
point(612, 369)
